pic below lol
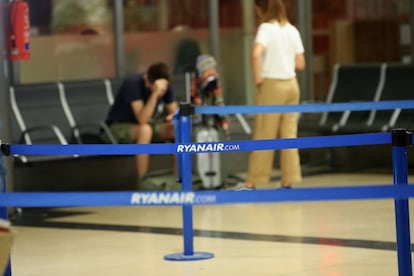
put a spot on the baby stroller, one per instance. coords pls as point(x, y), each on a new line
point(206, 90)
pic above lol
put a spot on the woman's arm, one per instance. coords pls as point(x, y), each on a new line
point(257, 54)
point(300, 62)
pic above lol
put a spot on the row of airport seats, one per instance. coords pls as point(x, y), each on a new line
point(72, 112)
point(360, 83)
point(59, 113)
point(367, 83)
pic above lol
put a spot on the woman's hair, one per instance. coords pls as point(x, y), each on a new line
point(272, 10)
point(158, 71)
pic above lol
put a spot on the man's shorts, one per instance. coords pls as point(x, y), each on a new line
point(122, 131)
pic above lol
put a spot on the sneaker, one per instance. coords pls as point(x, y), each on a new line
point(172, 184)
point(245, 189)
point(241, 187)
point(285, 187)
point(148, 183)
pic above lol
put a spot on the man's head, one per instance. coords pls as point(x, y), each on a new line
point(157, 78)
point(269, 10)
point(157, 71)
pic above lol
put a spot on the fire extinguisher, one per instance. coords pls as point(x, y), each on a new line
point(18, 31)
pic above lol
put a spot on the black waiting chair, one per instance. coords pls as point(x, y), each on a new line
point(367, 86)
point(38, 118)
point(115, 85)
point(351, 83)
point(86, 104)
point(398, 85)
point(181, 84)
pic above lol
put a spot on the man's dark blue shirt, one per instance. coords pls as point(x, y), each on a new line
point(133, 88)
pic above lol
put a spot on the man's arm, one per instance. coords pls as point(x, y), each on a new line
point(171, 109)
point(143, 112)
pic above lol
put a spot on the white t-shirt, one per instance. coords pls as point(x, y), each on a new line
point(282, 44)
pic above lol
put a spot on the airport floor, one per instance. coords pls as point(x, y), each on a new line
point(331, 238)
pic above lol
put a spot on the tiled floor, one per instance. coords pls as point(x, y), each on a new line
point(305, 238)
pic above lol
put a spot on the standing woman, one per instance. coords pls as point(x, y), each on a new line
point(277, 54)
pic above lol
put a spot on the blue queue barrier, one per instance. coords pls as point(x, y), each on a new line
point(400, 191)
point(401, 139)
point(185, 175)
point(304, 108)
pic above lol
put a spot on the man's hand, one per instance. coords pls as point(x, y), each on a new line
point(160, 87)
point(258, 81)
point(169, 117)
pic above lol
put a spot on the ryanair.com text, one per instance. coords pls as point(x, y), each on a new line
point(207, 147)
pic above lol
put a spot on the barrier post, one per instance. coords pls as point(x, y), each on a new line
point(5, 150)
point(185, 174)
point(3, 173)
point(177, 139)
point(401, 139)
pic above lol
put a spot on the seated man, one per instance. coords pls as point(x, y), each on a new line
point(132, 118)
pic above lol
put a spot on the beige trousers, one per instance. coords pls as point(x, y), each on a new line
point(271, 126)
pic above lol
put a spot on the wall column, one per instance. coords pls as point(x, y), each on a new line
point(304, 15)
point(163, 15)
point(248, 40)
point(214, 26)
point(118, 21)
point(412, 30)
point(5, 128)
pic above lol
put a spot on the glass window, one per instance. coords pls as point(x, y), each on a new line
point(358, 31)
point(73, 39)
point(70, 40)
